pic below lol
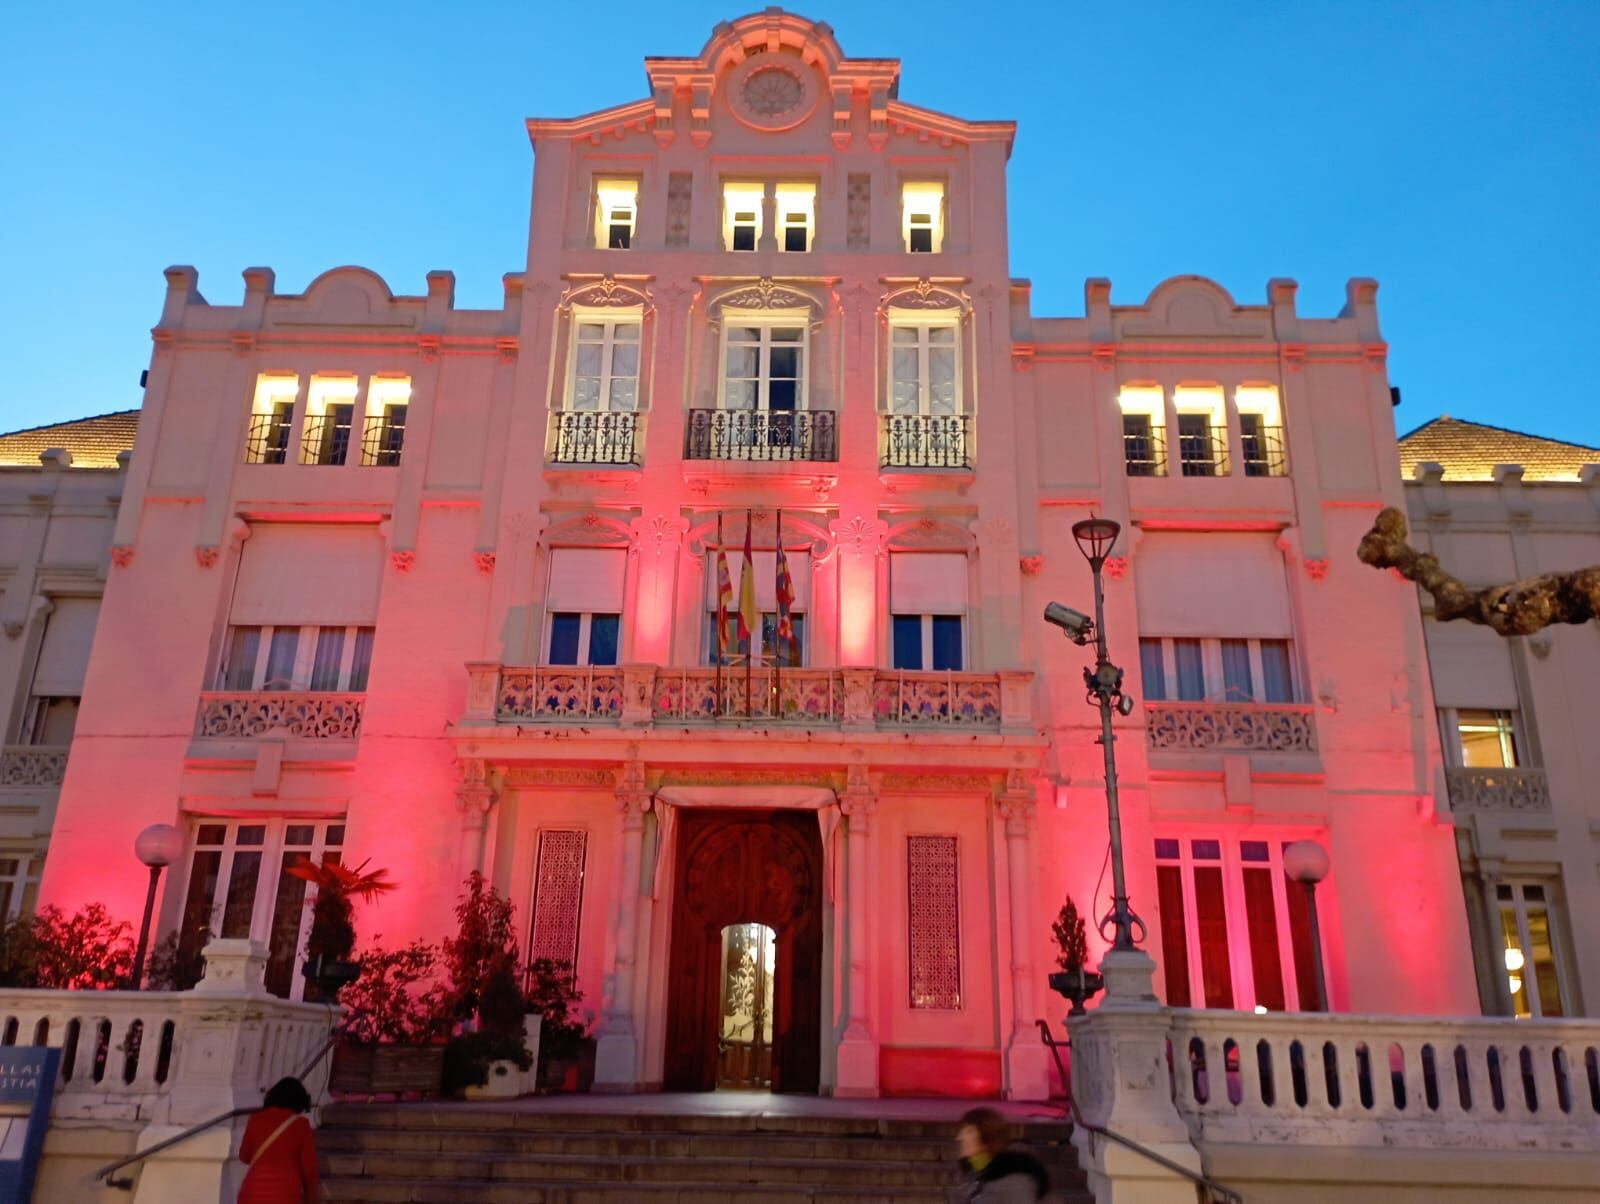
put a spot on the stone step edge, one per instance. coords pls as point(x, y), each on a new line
point(711, 1191)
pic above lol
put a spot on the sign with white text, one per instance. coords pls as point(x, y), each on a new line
point(27, 1084)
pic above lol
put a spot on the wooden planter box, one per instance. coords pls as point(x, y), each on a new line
point(387, 1069)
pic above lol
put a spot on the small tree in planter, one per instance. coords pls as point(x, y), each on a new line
point(565, 1049)
point(332, 940)
point(1074, 981)
point(484, 939)
point(397, 1016)
point(483, 968)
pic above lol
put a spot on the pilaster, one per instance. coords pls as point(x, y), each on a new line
point(617, 1049)
point(858, 1047)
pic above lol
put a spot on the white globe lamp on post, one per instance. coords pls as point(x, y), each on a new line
point(1307, 863)
point(158, 846)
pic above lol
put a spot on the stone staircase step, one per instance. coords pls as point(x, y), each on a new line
point(750, 1168)
point(629, 1145)
point(341, 1190)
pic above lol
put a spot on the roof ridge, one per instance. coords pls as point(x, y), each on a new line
point(1504, 430)
point(31, 430)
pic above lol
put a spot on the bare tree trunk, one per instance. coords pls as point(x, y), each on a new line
point(1520, 608)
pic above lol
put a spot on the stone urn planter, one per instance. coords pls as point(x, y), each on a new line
point(506, 1079)
point(1076, 985)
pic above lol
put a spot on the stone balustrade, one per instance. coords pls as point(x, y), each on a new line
point(33, 764)
point(1299, 1080)
point(1475, 790)
point(308, 715)
point(642, 695)
point(1228, 726)
point(171, 1057)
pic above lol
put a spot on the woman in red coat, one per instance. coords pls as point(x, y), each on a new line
point(280, 1149)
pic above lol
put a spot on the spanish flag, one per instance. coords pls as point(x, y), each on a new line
point(749, 616)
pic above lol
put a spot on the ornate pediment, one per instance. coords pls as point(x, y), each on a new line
point(590, 529)
point(606, 292)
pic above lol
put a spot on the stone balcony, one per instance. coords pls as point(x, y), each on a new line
point(1497, 790)
point(846, 699)
point(1265, 727)
point(36, 765)
point(305, 715)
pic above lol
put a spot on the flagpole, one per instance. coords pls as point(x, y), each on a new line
point(777, 618)
point(755, 628)
point(722, 622)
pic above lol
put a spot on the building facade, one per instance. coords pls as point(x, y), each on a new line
point(438, 590)
point(1498, 506)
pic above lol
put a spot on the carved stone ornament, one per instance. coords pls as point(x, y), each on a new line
point(1116, 567)
point(13, 628)
point(657, 534)
point(937, 783)
point(587, 530)
point(930, 532)
point(1316, 568)
point(403, 562)
point(206, 555)
point(484, 561)
point(122, 555)
point(765, 294)
point(772, 91)
point(1031, 565)
point(926, 294)
point(607, 291)
point(561, 776)
point(857, 534)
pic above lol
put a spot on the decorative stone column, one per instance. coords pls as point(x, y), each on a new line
point(475, 799)
point(1120, 1082)
point(858, 1048)
point(1027, 1059)
point(617, 1049)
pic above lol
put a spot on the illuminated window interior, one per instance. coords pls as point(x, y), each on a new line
point(741, 216)
point(1261, 441)
point(275, 392)
point(271, 419)
point(330, 410)
point(1144, 430)
point(384, 430)
point(1202, 430)
point(1488, 739)
point(797, 207)
point(923, 219)
point(616, 212)
point(1532, 967)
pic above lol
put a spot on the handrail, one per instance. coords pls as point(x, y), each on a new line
point(105, 1172)
point(1213, 1189)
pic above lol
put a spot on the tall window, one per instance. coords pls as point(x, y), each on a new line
point(1200, 670)
point(923, 369)
point(19, 881)
point(769, 648)
point(584, 605)
point(1487, 739)
point(922, 215)
point(330, 412)
point(1235, 930)
point(557, 896)
point(927, 610)
point(764, 365)
point(271, 419)
point(604, 372)
point(616, 212)
point(236, 887)
point(741, 216)
point(934, 911)
point(384, 434)
point(797, 204)
point(296, 658)
point(1261, 439)
point(1530, 960)
point(51, 713)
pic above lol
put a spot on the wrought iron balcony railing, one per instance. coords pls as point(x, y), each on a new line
point(32, 765)
point(268, 439)
point(326, 439)
point(595, 437)
point(643, 695)
point(926, 441)
point(1509, 789)
point(382, 444)
point(761, 435)
point(1262, 450)
point(1203, 452)
point(1248, 726)
point(1144, 451)
point(309, 715)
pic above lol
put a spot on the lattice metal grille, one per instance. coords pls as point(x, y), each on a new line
point(935, 913)
point(558, 896)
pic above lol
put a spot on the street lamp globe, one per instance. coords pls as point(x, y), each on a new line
point(1306, 862)
point(158, 845)
point(1095, 538)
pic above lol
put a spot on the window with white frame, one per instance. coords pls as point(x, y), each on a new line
point(927, 610)
point(616, 212)
point(796, 207)
point(922, 215)
point(764, 362)
point(237, 887)
point(1484, 739)
point(1235, 929)
point(741, 216)
point(51, 712)
point(769, 648)
point(295, 657)
point(1217, 670)
point(603, 370)
point(584, 605)
point(20, 869)
point(1532, 956)
point(924, 365)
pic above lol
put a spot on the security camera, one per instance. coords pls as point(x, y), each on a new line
point(1075, 623)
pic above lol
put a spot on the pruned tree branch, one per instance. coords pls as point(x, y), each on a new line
point(1520, 608)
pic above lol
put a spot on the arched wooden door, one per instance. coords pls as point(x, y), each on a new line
point(741, 867)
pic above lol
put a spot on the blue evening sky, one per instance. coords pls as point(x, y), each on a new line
point(1452, 150)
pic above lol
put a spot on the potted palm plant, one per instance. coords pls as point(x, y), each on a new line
point(1074, 981)
point(332, 939)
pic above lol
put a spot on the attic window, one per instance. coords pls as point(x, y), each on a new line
point(796, 215)
point(616, 212)
point(741, 216)
point(923, 215)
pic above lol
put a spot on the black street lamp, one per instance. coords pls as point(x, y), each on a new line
point(158, 846)
point(1307, 863)
point(1096, 537)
